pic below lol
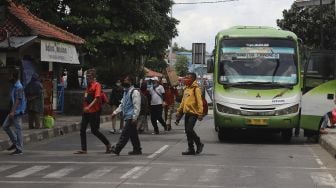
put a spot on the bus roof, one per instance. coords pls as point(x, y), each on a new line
point(255, 31)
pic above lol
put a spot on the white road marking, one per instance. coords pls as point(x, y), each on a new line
point(173, 174)
point(141, 172)
point(28, 171)
point(285, 175)
point(99, 173)
point(209, 175)
point(323, 179)
point(60, 173)
point(170, 164)
point(131, 172)
point(158, 151)
point(63, 182)
point(247, 173)
point(6, 167)
point(317, 159)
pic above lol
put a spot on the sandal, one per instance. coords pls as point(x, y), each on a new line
point(81, 152)
point(108, 149)
point(323, 131)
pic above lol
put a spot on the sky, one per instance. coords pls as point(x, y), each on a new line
point(200, 23)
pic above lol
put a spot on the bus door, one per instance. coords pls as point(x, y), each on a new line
point(319, 89)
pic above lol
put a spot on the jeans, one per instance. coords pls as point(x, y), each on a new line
point(94, 120)
point(189, 124)
point(16, 137)
point(129, 132)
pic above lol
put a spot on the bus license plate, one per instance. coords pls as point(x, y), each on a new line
point(257, 122)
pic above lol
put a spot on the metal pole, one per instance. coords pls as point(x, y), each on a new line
point(321, 27)
point(171, 41)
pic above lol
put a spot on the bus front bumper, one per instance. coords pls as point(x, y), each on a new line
point(265, 122)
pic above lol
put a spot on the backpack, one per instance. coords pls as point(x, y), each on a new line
point(144, 106)
point(204, 103)
point(103, 98)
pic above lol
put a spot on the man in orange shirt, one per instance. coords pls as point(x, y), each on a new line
point(91, 112)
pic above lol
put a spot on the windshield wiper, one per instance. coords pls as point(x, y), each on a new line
point(253, 83)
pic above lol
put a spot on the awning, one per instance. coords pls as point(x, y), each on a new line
point(150, 73)
point(16, 42)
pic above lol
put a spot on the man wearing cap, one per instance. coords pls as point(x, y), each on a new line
point(157, 94)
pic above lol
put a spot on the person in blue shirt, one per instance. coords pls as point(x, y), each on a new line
point(130, 108)
point(18, 106)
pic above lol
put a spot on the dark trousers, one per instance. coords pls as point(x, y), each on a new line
point(189, 124)
point(94, 120)
point(129, 132)
point(156, 115)
point(34, 119)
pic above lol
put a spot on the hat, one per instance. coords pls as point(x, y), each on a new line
point(155, 78)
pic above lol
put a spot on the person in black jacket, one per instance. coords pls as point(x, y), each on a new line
point(115, 98)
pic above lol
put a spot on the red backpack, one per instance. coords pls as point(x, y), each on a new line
point(103, 98)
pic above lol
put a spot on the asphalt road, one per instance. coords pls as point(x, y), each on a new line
point(244, 161)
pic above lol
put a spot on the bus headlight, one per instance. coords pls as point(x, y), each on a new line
point(227, 110)
point(289, 110)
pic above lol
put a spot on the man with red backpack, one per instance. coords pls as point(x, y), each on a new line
point(192, 107)
point(92, 105)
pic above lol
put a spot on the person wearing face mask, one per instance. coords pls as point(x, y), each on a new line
point(192, 108)
point(91, 112)
point(18, 106)
point(115, 99)
point(130, 108)
point(157, 102)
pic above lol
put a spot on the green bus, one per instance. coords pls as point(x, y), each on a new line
point(257, 82)
point(319, 89)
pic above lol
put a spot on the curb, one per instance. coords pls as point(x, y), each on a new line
point(328, 142)
point(44, 134)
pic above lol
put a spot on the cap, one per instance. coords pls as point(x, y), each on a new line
point(155, 78)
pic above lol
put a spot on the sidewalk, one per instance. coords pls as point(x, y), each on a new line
point(328, 141)
point(63, 125)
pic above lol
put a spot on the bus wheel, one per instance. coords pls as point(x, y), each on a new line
point(286, 135)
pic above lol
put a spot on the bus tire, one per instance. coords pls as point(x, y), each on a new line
point(286, 135)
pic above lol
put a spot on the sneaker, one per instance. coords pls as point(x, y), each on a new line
point(81, 152)
point(16, 152)
point(135, 152)
point(189, 152)
point(114, 150)
point(112, 131)
point(11, 147)
point(199, 148)
point(120, 131)
point(155, 132)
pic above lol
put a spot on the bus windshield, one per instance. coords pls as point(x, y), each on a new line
point(258, 61)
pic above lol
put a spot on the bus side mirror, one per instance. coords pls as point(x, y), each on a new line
point(330, 96)
point(210, 65)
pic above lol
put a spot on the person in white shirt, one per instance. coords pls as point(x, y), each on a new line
point(156, 104)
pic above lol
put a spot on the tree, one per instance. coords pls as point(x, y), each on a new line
point(176, 48)
point(181, 65)
point(306, 23)
point(117, 32)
